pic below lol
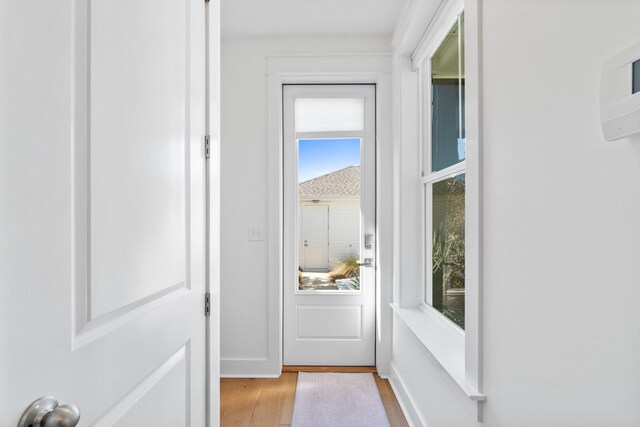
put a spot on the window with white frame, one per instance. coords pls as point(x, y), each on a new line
point(444, 176)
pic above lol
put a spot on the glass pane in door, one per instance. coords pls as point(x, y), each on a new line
point(329, 214)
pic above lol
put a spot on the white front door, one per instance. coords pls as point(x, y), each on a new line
point(329, 148)
point(315, 225)
point(102, 210)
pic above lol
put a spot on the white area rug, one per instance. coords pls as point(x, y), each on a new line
point(327, 399)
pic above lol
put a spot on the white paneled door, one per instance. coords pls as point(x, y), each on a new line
point(103, 210)
point(315, 236)
point(329, 142)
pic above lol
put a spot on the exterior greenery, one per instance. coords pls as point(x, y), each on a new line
point(348, 268)
point(448, 246)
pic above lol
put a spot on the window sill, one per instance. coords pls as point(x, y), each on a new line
point(443, 340)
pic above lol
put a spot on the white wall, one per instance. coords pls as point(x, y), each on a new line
point(246, 320)
point(561, 233)
point(344, 229)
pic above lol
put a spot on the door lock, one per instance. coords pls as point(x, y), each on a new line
point(368, 262)
point(368, 239)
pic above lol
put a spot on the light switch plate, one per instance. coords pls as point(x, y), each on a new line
point(255, 234)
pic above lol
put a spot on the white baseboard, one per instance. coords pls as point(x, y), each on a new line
point(248, 376)
point(383, 371)
point(404, 399)
point(249, 368)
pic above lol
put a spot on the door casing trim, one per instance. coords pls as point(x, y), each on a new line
point(295, 70)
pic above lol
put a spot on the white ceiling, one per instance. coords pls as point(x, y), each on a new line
point(275, 17)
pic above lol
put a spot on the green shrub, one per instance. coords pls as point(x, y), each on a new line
point(346, 269)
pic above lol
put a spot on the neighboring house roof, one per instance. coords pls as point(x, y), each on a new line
point(343, 182)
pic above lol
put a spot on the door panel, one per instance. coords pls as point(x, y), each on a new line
point(326, 323)
point(172, 391)
point(139, 142)
point(107, 269)
point(330, 159)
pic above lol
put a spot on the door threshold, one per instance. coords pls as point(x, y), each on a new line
point(359, 369)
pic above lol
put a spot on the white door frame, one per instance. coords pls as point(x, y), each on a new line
point(212, 171)
point(329, 69)
point(328, 345)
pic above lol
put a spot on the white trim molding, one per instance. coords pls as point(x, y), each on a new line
point(473, 215)
point(331, 69)
point(445, 350)
point(437, 31)
point(404, 398)
point(457, 352)
point(359, 64)
point(415, 17)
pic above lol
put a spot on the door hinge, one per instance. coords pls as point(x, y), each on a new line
point(207, 146)
point(207, 304)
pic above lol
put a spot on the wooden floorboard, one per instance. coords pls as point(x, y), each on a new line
point(268, 402)
point(290, 391)
point(238, 397)
point(391, 405)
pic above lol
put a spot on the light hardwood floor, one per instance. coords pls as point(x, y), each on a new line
point(269, 401)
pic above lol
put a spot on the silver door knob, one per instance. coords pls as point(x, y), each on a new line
point(45, 412)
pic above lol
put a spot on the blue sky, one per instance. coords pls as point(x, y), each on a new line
point(321, 156)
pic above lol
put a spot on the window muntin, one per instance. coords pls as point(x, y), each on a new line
point(444, 180)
